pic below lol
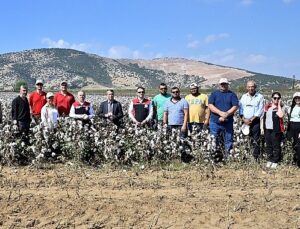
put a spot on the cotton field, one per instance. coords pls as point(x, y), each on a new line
point(101, 143)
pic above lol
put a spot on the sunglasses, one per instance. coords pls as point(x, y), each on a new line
point(297, 97)
point(141, 92)
point(275, 98)
point(175, 92)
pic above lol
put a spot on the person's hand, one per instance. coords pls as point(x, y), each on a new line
point(183, 128)
point(206, 122)
point(221, 119)
point(247, 121)
point(223, 114)
point(85, 117)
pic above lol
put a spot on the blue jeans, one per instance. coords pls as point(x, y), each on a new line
point(226, 128)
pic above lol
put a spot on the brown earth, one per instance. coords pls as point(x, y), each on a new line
point(191, 197)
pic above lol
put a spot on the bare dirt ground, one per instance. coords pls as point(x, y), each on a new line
point(192, 197)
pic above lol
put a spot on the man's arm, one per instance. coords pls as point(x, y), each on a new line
point(149, 117)
point(215, 110)
point(185, 121)
point(101, 111)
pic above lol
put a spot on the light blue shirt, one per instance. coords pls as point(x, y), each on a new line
point(176, 111)
point(251, 105)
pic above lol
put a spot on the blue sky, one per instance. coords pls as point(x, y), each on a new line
point(257, 35)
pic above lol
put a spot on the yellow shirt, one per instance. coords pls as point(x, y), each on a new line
point(197, 105)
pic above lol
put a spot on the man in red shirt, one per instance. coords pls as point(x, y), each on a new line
point(63, 100)
point(37, 100)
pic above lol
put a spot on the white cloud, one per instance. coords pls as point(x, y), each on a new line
point(193, 44)
point(123, 52)
point(64, 44)
point(246, 2)
point(214, 37)
point(255, 59)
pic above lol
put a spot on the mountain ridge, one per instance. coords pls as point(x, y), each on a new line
point(86, 70)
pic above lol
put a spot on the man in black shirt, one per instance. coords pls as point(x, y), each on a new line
point(21, 111)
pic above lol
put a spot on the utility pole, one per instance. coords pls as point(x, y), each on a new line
point(293, 86)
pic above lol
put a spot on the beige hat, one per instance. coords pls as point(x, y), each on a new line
point(49, 95)
point(223, 80)
point(297, 94)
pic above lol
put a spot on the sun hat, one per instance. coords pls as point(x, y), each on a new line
point(245, 129)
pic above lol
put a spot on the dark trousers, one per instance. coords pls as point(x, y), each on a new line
point(255, 138)
point(273, 145)
point(294, 132)
point(178, 127)
point(197, 127)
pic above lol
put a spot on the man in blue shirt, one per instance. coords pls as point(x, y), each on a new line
point(250, 110)
point(223, 103)
point(176, 112)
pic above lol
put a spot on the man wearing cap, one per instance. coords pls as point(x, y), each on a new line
point(111, 109)
point(81, 109)
point(198, 109)
point(49, 113)
point(20, 111)
point(159, 102)
point(223, 103)
point(251, 108)
point(63, 100)
point(140, 108)
point(37, 100)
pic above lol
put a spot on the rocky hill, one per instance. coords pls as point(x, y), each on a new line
point(81, 69)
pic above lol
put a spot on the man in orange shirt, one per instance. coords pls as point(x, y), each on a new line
point(37, 100)
point(63, 100)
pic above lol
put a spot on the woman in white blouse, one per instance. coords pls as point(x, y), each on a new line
point(49, 113)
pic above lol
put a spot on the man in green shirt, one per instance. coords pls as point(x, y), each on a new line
point(159, 103)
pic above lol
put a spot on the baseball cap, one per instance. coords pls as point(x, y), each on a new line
point(297, 94)
point(223, 80)
point(49, 94)
point(39, 82)
point(245, 129)
point(193, 85)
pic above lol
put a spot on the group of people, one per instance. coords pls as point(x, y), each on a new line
point(191, 114)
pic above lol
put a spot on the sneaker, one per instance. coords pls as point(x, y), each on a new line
point(269, 164)
point(274, 166)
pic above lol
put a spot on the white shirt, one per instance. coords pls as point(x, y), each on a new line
point(49, 116)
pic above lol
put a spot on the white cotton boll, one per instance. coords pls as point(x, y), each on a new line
point(41, 155)
point(53, 154)
point(23, 144)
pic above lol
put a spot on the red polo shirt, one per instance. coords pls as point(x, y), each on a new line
point(37, 101)
point(63, 102)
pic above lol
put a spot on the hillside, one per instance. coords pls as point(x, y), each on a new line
point(81, 69)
